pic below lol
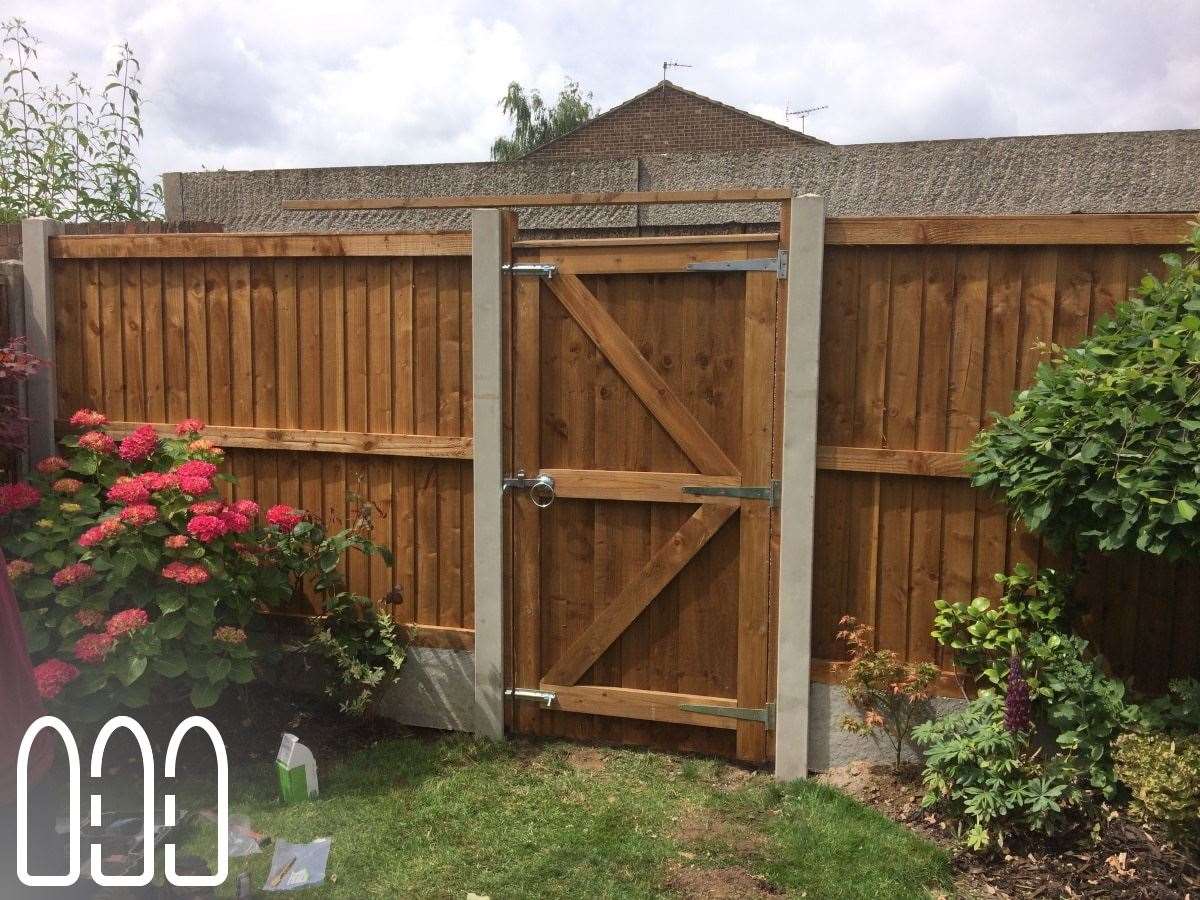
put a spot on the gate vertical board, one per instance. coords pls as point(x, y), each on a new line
point(634, 380)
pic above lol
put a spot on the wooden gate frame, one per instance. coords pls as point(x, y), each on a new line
point(802, 231)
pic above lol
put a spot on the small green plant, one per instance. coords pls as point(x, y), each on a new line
point(1101, 451)
point(890, 695)
point(360, 641)
point(1162, 772)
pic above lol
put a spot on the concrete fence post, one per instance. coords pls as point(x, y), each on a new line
point(487, 412)
point(806, 250)
point(41, 391)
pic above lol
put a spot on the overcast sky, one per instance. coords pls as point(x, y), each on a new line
point(278, 84)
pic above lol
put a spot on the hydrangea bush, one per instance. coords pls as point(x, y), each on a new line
point(137, 580)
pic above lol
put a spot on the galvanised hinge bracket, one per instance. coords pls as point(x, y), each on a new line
point(772, 493)
point(766, 714)
point(777, 264)
point(542, 270)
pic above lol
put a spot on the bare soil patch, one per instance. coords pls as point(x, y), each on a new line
point(719, 883)
point(705, 826)
point(1122, 859)
point(587, 759)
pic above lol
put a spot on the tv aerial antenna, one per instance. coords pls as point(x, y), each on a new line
point(674, 64)
point(802, 113)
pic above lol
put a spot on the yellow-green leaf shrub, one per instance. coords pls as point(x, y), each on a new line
point(1162, 771)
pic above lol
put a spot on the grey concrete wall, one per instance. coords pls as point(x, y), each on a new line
point(435, 689)
point(1144, 171)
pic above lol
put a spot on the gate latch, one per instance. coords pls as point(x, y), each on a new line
point(772, 492)
point(542, 270)
point(777, 264)
point(766, 714)
point(546, 698)
point(541, 487)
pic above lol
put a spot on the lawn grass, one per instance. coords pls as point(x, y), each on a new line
point(441, 818)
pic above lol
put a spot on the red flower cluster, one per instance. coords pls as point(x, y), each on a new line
point(97, 442)
point(88, 418)
point(15, 497)
point(196, 468)
point(157, 481)
point(92, 648)
point(128, 491)
point(284, 517)
point(206, 508)
point(72, 574)
point(107, 528)
point(68, 486)
point(19, 568)
point(247, 508)
point(205, 446)
point(185, 573)
point(90, 618)
point(227, 634)
point(139, 514)
point(52, 464)
point(206, 528)
point(52, 676)
point(139, 444)
point(176, 542)
point(194, 485)
point(125, 621)
point(189, 426)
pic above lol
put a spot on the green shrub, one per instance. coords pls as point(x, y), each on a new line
point(1101, 452)
point(1162, 772)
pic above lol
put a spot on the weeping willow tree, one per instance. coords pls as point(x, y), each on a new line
point(535, 123)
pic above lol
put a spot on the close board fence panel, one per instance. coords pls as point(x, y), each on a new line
point(330, 379)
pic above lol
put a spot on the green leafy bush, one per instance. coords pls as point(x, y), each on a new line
point(1000, 778)
point(1102, 451)
point(138, 581)
point(1163, 773)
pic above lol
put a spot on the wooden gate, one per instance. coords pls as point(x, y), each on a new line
point(648, 393)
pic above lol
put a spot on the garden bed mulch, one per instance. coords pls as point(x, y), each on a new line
point(1122, 859)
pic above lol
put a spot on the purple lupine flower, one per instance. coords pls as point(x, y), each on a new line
point(1018, 709)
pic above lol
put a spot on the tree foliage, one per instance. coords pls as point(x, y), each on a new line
point(65, 152)
point(1102, 452)
point(535, 123)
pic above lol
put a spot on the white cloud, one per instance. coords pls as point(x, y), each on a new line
point(276, 84)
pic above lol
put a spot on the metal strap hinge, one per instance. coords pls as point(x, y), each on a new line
point(772, 492)
point(765, 714)
point(542, 270)
point(777, 264)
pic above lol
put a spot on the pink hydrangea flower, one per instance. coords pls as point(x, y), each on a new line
point(234, 521)
point(125, 621)
point(189, 426)
point(284, 517)
point(92, 648)
point(247, 508)
point(88, 418)
point(72, 574)
point(92, 537)
point(90, 618)
point(68, 486)
point(227, 634)
point(205, 446)
point(157, 481)
point(18, 496)
point(52, 676)
point(176, 542)
point(52, 464)
point(185, 573)
point(139, 444)
point(128, 491)
point(19, 568)
point(206, 508)
point(194, 485)
point(206, 528)
point(97, 442)
point(139, 514)
point(196, 468)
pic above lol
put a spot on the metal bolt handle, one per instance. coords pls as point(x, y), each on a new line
point(541, 487)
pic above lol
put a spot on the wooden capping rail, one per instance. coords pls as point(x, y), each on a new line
point(1169, 228)
point(892, 462)
point(602, 198)
point(765, 237)
point(212, 246)
point(417, 445)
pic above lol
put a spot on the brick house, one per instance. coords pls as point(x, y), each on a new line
point(668, 119)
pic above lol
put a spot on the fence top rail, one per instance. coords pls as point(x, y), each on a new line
point(1132, 228)
point(176, 246)
point(599, 198)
